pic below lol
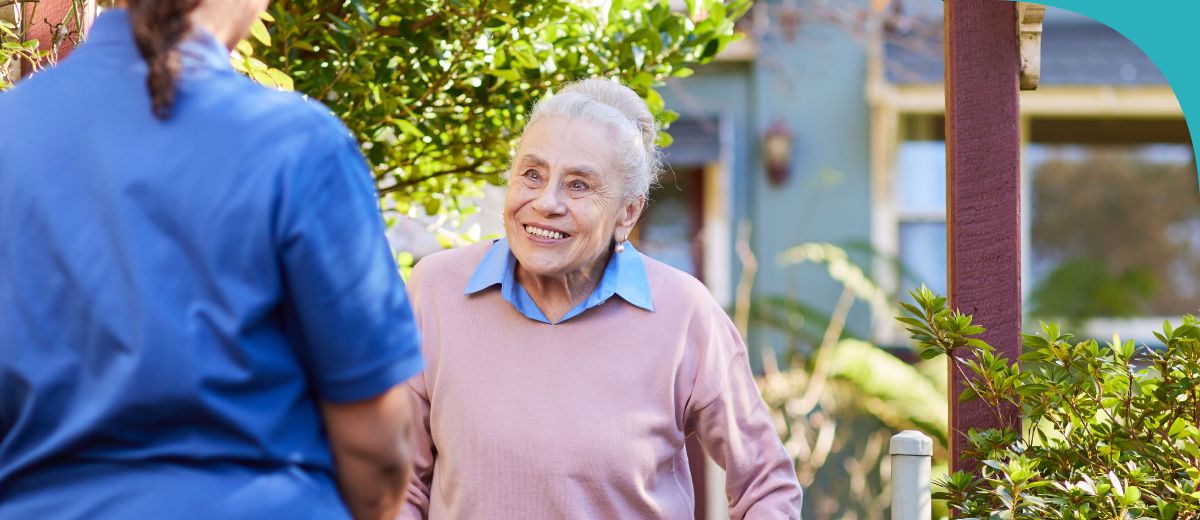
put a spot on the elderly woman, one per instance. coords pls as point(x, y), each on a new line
point(564, 368)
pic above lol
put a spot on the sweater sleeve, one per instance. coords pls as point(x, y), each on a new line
point(736, 430)
point(424, 453)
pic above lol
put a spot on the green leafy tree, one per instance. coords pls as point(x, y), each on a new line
point(437, 91)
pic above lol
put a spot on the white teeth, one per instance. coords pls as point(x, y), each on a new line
point(543, 232)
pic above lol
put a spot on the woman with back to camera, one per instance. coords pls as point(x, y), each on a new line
point(565, 369)
point(199, 312)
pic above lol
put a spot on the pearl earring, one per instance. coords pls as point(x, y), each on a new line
point(620, 248)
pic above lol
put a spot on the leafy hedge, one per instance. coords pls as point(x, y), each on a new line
point(1109, 430)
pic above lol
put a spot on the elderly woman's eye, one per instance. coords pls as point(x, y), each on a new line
point(533, 175)
point(578, 185)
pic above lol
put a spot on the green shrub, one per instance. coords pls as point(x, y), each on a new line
point(1108, 431)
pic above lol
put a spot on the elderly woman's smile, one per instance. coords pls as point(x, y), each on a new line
point(548, 234)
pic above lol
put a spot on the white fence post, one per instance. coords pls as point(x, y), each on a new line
point(911, 453)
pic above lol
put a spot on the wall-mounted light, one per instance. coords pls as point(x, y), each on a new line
point(777, 152)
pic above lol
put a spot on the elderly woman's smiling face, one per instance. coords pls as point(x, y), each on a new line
point(564, 205)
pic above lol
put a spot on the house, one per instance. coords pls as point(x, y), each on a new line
point(861, 94)
point(1111, 228)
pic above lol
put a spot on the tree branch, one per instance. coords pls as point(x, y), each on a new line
point(416, 26)
point(406, 183)
point(420, 24)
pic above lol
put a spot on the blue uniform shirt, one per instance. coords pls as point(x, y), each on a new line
point(624, 276)
point(177, 296)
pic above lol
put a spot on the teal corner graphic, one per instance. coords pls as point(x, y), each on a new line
point(1166, 30)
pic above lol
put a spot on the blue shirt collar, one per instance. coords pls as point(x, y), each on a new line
point(624, 276)
point(199, 50)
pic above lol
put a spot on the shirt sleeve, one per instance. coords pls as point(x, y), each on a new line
point(735, 429)
point(348, 312)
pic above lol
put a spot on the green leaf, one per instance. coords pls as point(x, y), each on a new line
point(968, 394)
point(524, 55)
point(912, 310)
point(432, 206)
point(1032, 389)
point(506, 74)
point(259, 31)
point(654, 101)
point(710, 50)
point(408, 128)
point(1132, 495)
point(281, 79)
point(978, 343)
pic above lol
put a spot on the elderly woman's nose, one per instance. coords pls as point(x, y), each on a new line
point(550, 200)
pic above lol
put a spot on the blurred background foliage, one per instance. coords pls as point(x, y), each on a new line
point(837, 399)
point(437, 91)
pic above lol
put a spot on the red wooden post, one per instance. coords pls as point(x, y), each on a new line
point(983, 191)
point(53, 23)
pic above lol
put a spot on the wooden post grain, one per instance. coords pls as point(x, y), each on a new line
point(983, 192)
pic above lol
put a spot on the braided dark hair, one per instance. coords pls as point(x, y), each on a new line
point(158, 26)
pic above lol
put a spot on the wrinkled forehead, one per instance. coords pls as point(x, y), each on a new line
point(567, 143)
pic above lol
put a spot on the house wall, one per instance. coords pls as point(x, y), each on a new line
point(814, 84)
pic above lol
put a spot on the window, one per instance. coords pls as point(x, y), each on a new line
point(1114, 224)
point(1112, 240)
point(921, 213)
point(919, 200)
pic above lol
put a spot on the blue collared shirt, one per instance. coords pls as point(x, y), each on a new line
point(624, 276)
point(177, 297)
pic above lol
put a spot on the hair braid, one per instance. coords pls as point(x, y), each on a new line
point(158, 26)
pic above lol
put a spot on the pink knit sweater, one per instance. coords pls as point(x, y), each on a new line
point(587, 418)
